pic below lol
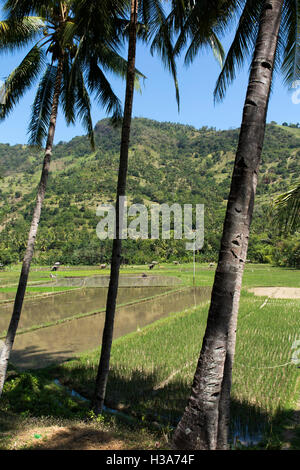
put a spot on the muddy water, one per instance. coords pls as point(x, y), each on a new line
point(57, 343)
point(7, 295)
point(63, 305)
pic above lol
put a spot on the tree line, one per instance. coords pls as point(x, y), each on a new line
point(81, 179)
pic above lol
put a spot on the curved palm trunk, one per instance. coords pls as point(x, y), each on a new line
point(107, 337)
point(13, 326)
point(205, 422)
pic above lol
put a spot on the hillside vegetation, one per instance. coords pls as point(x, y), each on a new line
point(169, 163)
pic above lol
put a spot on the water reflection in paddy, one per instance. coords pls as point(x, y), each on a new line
point(57, 343)
point(67, 304)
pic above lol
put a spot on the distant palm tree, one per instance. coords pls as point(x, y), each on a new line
point(63, 82)
point(270, 30)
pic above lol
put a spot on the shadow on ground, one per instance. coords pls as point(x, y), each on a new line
point(139, 402)
point(33, 357)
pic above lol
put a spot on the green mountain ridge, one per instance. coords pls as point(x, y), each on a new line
point(168, 163)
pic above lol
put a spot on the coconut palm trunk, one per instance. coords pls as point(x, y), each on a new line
point(13, 326)
point(205, 422)
point(107, 337)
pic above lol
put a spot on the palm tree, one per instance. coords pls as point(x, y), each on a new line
point(271, 27)
point(158, 28)
point(63, 82)
point(103, 370)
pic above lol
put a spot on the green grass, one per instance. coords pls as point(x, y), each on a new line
point(254, 275)
point(31, 292)
point(152, 370)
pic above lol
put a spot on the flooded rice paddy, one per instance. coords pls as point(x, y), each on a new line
point(51, 308)
point(59, 342)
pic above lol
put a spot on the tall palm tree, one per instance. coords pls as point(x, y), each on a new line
point(157, 29)
point(63, 83)
point(272, 28)
point(103, 369)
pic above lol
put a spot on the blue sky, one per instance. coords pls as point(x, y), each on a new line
point(157, 100)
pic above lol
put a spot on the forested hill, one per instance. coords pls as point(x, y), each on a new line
point(168, 163)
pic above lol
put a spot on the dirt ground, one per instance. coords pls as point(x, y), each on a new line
point(40, 434)
point(277, 292)
point(67, 438)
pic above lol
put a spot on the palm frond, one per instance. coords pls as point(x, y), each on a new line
point(197, 25)
point(198, 42)
point(108, 59)
point(98, 84)
point(241, 47)
point(69, 34)
point(101, 22)
point(290, 33)
point(15, 34)
point(162, 44)
point(156, 28)
point(217, 49)
point(20, 8)
point(21, 79)
point(83, 108)
point(287, 209)
point(68, 91)
point(41, 108)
